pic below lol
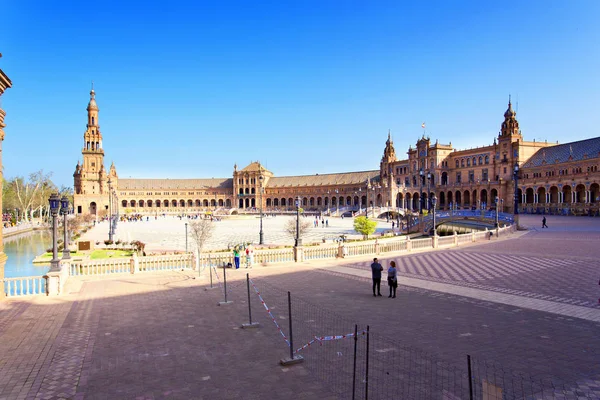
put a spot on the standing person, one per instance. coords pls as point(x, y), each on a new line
point(544, 222)
point(376, 269)
point(392, 279)
point(236, 257)
point(249, 256)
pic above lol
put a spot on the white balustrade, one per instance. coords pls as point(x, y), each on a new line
point(445, 241)
point(100, 267)
point(165, 263)
point(320, 252)
point(389, 246)
point(274, 256)
point(422, 243)
point(24, 286)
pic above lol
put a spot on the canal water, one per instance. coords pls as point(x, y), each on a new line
point(22, 249)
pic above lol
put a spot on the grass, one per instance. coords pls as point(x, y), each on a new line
point(96, 254)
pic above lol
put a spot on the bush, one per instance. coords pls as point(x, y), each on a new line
point(118, 242)
point(107, 242)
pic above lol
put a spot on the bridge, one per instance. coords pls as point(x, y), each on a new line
point(488, 217)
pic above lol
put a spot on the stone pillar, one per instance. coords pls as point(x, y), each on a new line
point(435, 241)
point(408, 244)
point(455, 238)
point(5, 83)
point(299, 253)
point(472, 236)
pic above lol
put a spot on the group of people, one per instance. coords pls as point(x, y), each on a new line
point(392, 278)
point(237, 252)
point(324, 222)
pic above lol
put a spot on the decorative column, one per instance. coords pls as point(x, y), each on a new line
point(5, 83)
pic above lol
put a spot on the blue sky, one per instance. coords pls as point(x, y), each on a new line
point(187, 89)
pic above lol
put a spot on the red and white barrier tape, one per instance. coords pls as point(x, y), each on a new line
point(327, 338)
point(270, 314)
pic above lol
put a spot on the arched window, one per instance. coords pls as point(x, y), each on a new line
point(456, 163)
point(487, 159)
point(468, 162)
point(93, 121)
point(462, 162)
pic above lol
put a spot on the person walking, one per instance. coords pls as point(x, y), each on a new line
point(376, 269)
point(236, 257)
point(392, 279)
point(544, 222)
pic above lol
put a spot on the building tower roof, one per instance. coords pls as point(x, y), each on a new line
point(92, 104)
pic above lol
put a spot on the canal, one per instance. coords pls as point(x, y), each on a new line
point(22, 249)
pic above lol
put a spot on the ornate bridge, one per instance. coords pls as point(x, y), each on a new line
point(488, 217)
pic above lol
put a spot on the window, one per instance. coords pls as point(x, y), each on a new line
point(487, 159)
point(458, 178)
point(456, 163)
point(484, 174)
point(504, 169)
point(474, 161)
point(462, 162)
point(93, 121)
point(480, 160)
point(468, 162)
point(471, 176)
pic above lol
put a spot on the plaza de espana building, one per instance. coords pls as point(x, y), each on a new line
point(551, 178)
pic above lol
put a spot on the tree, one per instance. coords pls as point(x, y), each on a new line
point(201, 231)
point(364, 226)
point(27, 194)
point(290, 227)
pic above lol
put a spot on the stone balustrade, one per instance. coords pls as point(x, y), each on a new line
point(24, 286)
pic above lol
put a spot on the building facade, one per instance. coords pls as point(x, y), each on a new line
point(5, 83)
point(549, 177)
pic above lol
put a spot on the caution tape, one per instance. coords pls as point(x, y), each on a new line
point(327, 338)
point(269, 312)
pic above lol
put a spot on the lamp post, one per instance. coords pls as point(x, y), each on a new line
point(421, 174)
point(110, 225)
point(54, 201)
point(433, 203)
point(64, 210)
point(496, 200)
point(428, 191)
point(516, 179)
point(298, 239)
point(186, 238)
point(260, 234)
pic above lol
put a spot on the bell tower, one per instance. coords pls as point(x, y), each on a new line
point(90, 177)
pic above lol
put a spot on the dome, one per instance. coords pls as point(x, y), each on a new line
point(92, 104)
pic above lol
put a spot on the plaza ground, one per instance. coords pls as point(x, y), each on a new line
point(527, 303)
point(168, 233)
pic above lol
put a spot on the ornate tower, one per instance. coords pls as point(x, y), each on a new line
point(389, 157)
point(509, 140)
point(90, 177)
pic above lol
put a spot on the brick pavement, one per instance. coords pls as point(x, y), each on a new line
point(160, 335)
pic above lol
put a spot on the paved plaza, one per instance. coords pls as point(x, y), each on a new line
point(168, 233)
point(527, 302)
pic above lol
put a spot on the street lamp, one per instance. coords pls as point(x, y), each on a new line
point(64, 210)
point(496, 200)
point(421, 174)
point(433, 203)
point(186, 238)
point(428, 191)
point(516, 178)
point(110, 223)
point(54, 201)
point(298, 239)
point(260, 234)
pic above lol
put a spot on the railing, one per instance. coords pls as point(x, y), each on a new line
point(274, 256)
point(165, 263)
point(320, 252)
point(445, 241)
point(215, 259)
point(360, 249)
point(422, 243)
point(101, 267)
point(388, 246)
point(24, 286)
point(465, 238)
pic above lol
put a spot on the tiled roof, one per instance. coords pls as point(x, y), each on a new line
point(255, 167)
point(344, 178)
point(561, 153)
point(162, 184)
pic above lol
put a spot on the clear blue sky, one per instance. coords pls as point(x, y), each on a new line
point(187, 89)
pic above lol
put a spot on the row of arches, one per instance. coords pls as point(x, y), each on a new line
point(175, 203)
